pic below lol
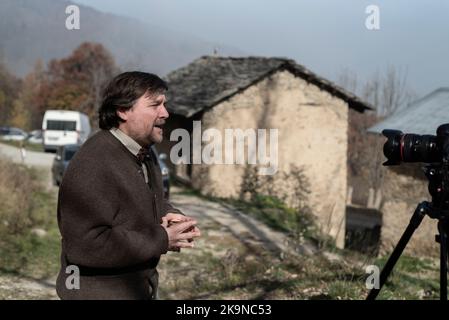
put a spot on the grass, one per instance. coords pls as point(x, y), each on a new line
point(28, 146)
point(252, 273)
point(412, 278)
point(31, 256)
point(23, 252)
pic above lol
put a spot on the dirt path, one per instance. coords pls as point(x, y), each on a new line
point(20, 288)
point(39, 160)
point(30, 158)
point(224, 220)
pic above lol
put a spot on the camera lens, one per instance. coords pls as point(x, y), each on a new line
point(393, 147)
point(419, 148)
point(410, 148)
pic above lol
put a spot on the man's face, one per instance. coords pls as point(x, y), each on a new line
point(144, 121)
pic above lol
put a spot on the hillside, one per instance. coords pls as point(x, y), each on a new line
point(31, 30)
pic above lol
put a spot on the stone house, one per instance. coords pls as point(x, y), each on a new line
point(405, 186)
point(310, 114)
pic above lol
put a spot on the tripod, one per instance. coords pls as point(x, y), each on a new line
point(433, 150)
point(433, 210)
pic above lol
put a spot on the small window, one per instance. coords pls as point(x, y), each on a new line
point(4, 131)
point(61, 125)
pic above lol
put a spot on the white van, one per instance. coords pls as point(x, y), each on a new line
point(62, 127)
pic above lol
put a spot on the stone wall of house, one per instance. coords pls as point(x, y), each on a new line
point(402, 191)
point(312, 126)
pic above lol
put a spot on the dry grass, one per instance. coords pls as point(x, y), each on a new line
point(232, 271)
point(16, 191)
point(223, 267)
point(26, 205)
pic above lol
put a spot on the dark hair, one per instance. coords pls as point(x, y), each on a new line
point(123, 91)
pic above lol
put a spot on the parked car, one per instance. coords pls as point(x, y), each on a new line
point(64, 127)
point(12, 134)
point(35, 137)
point(62, 159)
point(164, 170)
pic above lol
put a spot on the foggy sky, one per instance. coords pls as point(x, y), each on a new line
point(327, 36)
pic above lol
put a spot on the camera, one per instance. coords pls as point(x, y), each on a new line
point(433, 150)
point(430, 149)
point(408, 147)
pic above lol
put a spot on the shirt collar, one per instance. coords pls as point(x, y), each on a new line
point(126, 140)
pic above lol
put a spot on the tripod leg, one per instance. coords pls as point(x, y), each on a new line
point(442, 227)
point(414, 223)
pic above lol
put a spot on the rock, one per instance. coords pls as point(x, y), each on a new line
point(282, 255)
point(307, 249)
point(249, 258)
point(423, 294)
point(332, 257)
point(40, 233)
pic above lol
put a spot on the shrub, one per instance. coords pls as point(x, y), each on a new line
point(18, 189)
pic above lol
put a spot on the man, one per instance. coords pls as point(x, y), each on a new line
point(114, 220)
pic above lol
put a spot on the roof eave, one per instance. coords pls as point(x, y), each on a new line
point(353, 101)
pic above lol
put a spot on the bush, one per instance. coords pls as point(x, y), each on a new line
point(19, 188)
point(284, 207)
point(26, 204)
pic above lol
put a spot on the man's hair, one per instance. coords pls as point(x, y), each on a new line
point(123, 91)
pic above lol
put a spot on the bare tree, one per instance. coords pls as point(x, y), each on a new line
point(347, 79)
point(387, 92)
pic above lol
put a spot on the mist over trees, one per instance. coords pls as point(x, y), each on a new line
point(76, 82)
point(71, 83)
point(9, 88)
point(387, 91)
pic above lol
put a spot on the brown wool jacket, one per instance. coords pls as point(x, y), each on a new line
point(110, 222)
